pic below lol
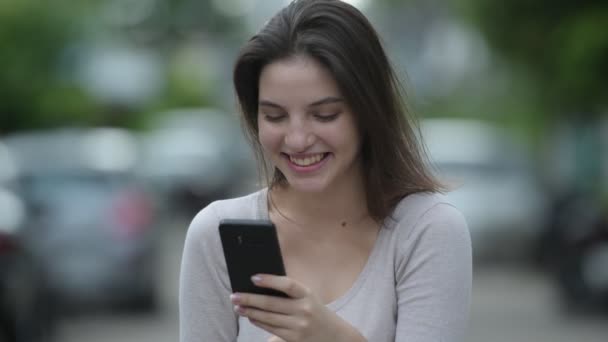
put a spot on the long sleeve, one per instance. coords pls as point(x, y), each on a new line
point(204, 306)
point(433, 277)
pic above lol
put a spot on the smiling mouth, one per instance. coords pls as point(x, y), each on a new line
point(308, 160)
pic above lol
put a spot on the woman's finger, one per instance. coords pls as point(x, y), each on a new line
point(284, 284)
point(266, 317)
point(268, 303)
point(275, 331)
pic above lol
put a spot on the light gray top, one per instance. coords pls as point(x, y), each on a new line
point(415, 287)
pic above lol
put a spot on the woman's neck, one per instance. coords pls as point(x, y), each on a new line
point(342, 205)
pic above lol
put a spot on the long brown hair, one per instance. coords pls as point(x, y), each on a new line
point(341, 39)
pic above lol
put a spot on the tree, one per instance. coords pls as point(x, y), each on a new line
point(561, 45)
point(34, 92)
point(38, 87)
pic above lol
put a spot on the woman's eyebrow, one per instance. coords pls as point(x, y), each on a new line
point(323, 101)
point(327, 100)
point(266, 103)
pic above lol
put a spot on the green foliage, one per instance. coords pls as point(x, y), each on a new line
point(562, 49)
point(33, 35)
point(38, 87)
point(562, 45)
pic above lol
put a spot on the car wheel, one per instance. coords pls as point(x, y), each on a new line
point(583, 278)
point(32, 317)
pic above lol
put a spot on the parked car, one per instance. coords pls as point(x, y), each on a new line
point(197, 155)
point(25, 314)
point(89, 222)
point(492, 182)
point(583, 264)
point(573, 246)
point(574, 249)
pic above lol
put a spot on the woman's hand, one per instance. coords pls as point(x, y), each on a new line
point(300, 318)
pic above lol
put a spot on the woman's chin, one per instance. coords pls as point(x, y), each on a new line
point(311, 186)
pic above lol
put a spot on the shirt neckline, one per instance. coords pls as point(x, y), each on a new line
point(335, 305)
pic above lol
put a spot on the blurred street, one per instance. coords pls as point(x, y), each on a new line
point(118, 123)
point(521, 305)
point(509, 304)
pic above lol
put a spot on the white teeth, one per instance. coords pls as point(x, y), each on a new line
point(307, 161)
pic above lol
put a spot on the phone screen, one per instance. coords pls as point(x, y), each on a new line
point(251, 247)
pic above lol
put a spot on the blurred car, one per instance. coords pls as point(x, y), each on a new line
point(575, 250)
point(89, 222)
point(195, 156)
point(24, 310)
point(492, 182)
point(573, 247)
point(582, 265)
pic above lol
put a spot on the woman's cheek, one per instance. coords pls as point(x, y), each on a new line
point(270, 139)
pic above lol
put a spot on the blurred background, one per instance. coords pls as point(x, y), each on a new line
point(118, 123)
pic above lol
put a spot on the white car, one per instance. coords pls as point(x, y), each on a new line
point(195, 156)
point(493, 183)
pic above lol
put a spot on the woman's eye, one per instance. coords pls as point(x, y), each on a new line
point(326, 117)
point(274, 117)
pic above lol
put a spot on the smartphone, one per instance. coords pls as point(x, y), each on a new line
point(251, 247)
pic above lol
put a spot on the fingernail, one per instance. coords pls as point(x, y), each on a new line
point(235, 297)
point(256, 278)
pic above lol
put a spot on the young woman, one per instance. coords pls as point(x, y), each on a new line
point(372, 251)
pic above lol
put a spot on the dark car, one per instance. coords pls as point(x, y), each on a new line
point(25, 310)
point(89, 222)
point(25, 314)
point(574, 247)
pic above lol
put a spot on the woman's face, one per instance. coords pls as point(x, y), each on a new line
point(305, 126)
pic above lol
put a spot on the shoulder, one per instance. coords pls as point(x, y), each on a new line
point(424, 204)
point(206, 221)
point(422, 213)
point(429, 230)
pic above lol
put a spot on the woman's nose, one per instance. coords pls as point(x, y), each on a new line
point(299, 138)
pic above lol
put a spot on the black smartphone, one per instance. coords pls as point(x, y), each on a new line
point(251, 247)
